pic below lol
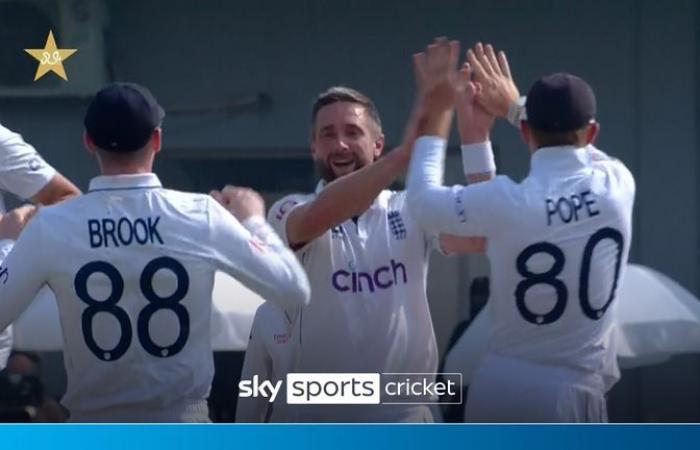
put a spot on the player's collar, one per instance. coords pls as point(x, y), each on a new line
point(559, 159)
point(131, 181)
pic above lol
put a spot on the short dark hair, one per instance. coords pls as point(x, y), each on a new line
point(344, 94)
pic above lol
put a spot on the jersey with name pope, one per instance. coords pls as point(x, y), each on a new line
point(132, 266)
point(558, 244)
point(368, 311)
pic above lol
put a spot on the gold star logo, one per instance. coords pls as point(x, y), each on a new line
point(50, 58)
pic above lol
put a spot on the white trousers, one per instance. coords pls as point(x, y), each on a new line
point(514, 390)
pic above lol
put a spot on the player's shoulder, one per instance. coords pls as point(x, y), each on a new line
point(193, 201)
point(391, 199)
point(9, 141)
point(6, 133)
point(612, 166)
point(65, 208)
point(281, 207)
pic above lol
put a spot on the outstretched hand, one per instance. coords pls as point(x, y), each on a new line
point(241, 202)
point(473, 120)
point(439, 85)
point(492, 72)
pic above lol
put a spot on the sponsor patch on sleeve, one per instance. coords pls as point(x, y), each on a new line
point(257, 244)
point(459, 207)
point(284, 208)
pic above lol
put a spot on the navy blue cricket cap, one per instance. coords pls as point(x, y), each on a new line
point(560, 102)
point(122, 117)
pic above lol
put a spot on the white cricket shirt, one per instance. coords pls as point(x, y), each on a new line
point(269, 356)
point(132, 266)
point(23, 172)
point(369, 311)
point(558, 245)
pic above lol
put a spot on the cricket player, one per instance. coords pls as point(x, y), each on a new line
point(24, 173)
point(367, 261)
point(132, 265)
point(558, 241)
point(269, 356)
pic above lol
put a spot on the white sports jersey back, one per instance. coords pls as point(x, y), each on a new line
point(132, 266)
point(557, 243)
point(555, 277)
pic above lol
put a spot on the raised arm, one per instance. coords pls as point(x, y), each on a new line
point(440, 209)
point(343, 198)
point(352, 194)
point(474, 123)
point(251, 252)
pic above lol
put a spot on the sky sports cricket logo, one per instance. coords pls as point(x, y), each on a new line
point(359, 388)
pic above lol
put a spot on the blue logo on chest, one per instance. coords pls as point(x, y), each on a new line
point(396, 225)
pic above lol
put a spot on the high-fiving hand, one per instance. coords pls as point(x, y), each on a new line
point(492, 72)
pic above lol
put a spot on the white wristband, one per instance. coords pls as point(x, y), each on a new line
point(516, 112)
point(478, 158)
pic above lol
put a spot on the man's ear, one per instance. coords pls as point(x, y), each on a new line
point(90, 146)
point(592, 132)
point(525, 131)
point(157, 140)
point(379, 142)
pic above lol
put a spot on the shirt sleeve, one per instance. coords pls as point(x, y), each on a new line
point(22, 273)
point(279, 213)
point(459, 210)
point(257, 362)
point(253, 254)
point(23, 171)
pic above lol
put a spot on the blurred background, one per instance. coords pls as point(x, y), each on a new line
point(237, 79)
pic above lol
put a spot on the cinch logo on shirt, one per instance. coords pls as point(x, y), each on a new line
point(382, 278)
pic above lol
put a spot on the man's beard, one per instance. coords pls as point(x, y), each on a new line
point(326, 172)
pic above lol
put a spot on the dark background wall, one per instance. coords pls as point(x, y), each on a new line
point(237, 79)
